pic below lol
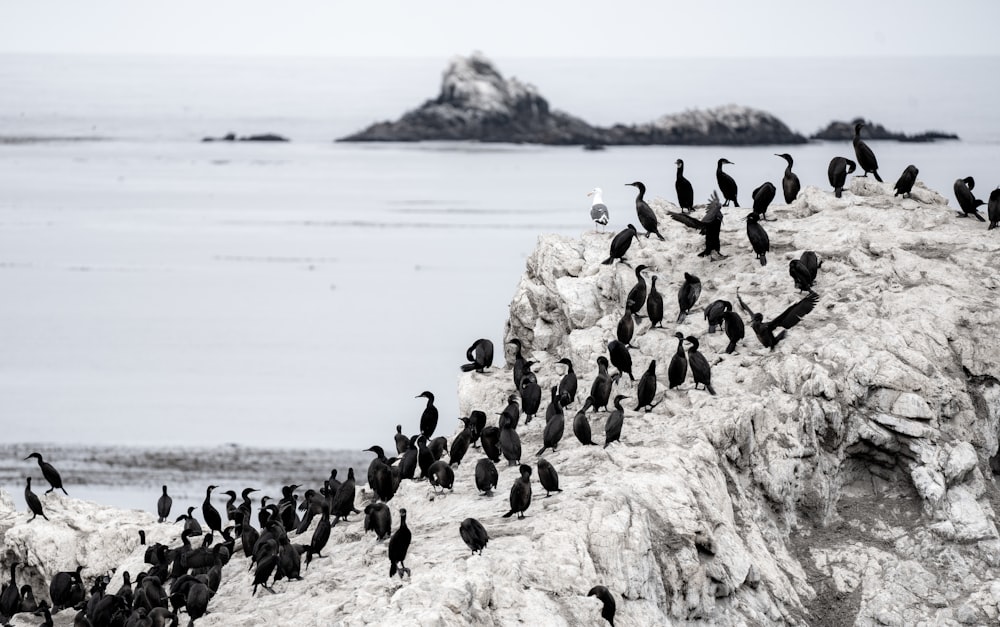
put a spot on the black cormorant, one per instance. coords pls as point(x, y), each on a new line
point(600, 390)
point(621, 243)
point(486, 476)
point(474, 535)
point(480, 356)
point(654, 305)
point(646, 389)
point(685, 193)
point(604, 595)
point(520, 493)
point(715, 311)
point(967, 201)
point(787, 319)
point(762, 198)
point(734, 329)
point(759, 240)
point(50, 473)
point(568, 384)
point(906, 180)
point(837, 173)
point(163, 505)
point(399, 544)
point(621, 358)
point(688, 295)
point(727, 185)
point(637, 295)
point(678, 368)
point(994, 209)
point(866, 158)
point(647, 218)
point(613, 425)
point(548, 477)
point(429, 417)
point(790, 181)
point(701, 372)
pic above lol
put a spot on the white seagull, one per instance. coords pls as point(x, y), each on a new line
point(598, 210)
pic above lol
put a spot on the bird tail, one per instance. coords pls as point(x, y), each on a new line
point(508, 514)
point(992, 226)
point(711, 390)
point(632, 378)
point(608, 261)
point(877, 177)
point(680, 317)
point(392, 569)
point(763, 259)
point(979, 216)
point(731, 347)
point(67, 493)
point(539, 453)
point(468, 367)
point(736, 202)
point(778, 338)
point(838, 191)
point(309, 557)
point(662, 239)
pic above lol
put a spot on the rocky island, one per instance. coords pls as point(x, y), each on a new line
point(842, 478)
point(844, 131)
point(477, 103)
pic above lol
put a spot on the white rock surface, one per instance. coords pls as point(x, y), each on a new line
point(838, 479)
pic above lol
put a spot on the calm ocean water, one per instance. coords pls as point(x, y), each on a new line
point(160, 291)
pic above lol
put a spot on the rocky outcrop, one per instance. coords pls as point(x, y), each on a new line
point(729, 125)
point(839, 479)
point(232, 137)
point(477, 103)
point(844, 131)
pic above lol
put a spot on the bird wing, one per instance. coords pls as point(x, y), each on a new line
point(744, 305)
point(688, 221)
point(599, 213)
point(794, 314)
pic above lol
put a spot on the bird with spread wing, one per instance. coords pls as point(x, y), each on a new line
point(787, 319)
point(709, 226)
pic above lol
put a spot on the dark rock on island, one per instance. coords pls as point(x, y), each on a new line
point(477, 103)
point(844, 131)
point(231, 137)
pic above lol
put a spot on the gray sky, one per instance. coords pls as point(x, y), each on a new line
point(516, 28)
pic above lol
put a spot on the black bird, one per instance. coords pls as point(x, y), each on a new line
point(380, 475)
point(197, 601)
point(787, 319)
point(460, 443)
point(866, 158)
point(620, 358)
point(678, 368)
point(647, 388)
point(967, 201)
point(637, 295)
point(710, 225)
point(701, 372)
point(762, 198)
point(812, 263)
point(837, 173)
point(440, 475)
point(520, 493)
point(378, 518)
point(581, 426)
point(685, 193)
point(759, 240)
point(50, 473)
point(621, 243)
point(402, 442)
point(548, 477)
point(604, 595)
point(654, 305)
point(800, 275)
point(727, 185)
point(715, 311)
point(10, 598)
point(568, 384)
point(489, 438)
point(399, 544)
point(343, 500)
point(600, 390)
point(613, 425)
point(598, 210)
point(474, 535)
point(646, 216)
point(486, 476)
point(266, 563)
point(163, 505)
point(480, 356)
point(429, 417)
point(477, 422)
point(512, 411)
point(190, 522)
point(211, 515)
point(531, 398)
point(790, 181)
point(906, 180)
point(321, 535)
point(688, 295)
point(519, 362)
point(626, 328)
point(34, 504)
point(994, 209)
point(510, 442)
point(66, 589)
point(554, 428)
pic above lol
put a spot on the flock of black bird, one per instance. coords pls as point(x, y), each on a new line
point(185, 576)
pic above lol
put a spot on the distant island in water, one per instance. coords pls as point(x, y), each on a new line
point(477, 103)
